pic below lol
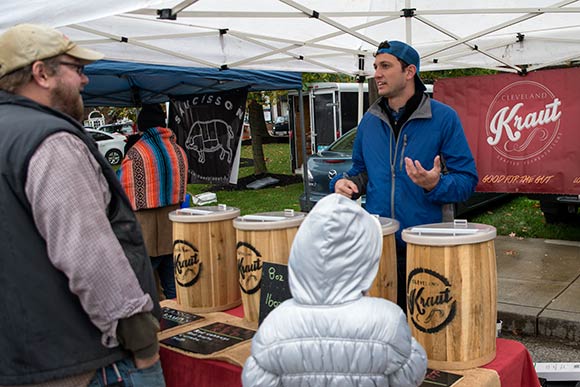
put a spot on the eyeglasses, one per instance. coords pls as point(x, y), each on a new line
point(78, 68)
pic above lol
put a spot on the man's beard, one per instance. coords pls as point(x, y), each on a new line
point(67, 100)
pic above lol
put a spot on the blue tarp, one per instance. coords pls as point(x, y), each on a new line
point(114, 83)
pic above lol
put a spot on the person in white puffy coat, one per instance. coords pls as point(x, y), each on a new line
point(330, 333)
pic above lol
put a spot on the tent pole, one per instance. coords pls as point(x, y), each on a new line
point(361, 81)
point(303, 145)
point(408, 25)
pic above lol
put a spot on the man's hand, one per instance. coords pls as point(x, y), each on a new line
point(146, 362)
point(345, 187)
point(420, 176)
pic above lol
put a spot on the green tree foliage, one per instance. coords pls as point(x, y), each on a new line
point(308, 78)
point(432, 76)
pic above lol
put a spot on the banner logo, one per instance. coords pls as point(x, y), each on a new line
point(186, 263)
point(249, 268)
point(209, 127)
point(204, 137)
point(430, 301)
point(523, 121)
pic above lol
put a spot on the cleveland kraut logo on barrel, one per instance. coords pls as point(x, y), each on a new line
point(249, 268)
point(430, 300)
point(523, 121)
point(187, 264)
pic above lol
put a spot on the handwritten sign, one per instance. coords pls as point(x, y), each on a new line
point(172, 318)
point(274, 289)
point(210, 338)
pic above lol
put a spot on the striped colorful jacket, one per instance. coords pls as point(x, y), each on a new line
point(154, 170)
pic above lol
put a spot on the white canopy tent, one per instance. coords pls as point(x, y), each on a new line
point(315, 35)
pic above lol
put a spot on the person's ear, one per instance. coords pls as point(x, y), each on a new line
point(411, 71)
point(40, 74)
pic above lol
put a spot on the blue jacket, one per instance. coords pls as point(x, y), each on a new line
point(432, 129)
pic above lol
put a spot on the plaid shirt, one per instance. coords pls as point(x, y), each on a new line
point(69, 197)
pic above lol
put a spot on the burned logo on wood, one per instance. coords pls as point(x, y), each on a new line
point(186, 262)
point(430, 300)
point(249, 267)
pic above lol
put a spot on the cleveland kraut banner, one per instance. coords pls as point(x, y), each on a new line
point(209, 126)
point(523, 131)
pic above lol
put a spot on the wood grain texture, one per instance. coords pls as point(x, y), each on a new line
point(273, 246)
point(216, 288)
point(452, 303)
point(385, 283)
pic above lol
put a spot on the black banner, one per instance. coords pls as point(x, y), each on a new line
point(208, 127)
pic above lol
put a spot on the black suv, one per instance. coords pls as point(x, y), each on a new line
point(281, 127)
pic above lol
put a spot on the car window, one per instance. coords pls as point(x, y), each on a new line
point(100, 136)
point(345, 143)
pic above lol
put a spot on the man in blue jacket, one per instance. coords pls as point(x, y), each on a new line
point(410, 155)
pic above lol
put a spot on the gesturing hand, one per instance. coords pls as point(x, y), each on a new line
point(422, 177)
point(345, 187)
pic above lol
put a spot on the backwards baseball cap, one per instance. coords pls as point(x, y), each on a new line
point(24, 44)
point(402, 51)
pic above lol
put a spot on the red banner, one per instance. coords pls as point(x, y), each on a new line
point(524, 131)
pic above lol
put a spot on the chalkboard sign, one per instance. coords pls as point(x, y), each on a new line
point(274, 288)
point(171, 318)
point(210, 338)
point(436, 378)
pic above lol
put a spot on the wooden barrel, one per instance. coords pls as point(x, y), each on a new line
point(204, 256)
point(268, 237)
point(452, 292)
point(385, 284)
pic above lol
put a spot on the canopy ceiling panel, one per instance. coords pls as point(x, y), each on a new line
point(316, 35)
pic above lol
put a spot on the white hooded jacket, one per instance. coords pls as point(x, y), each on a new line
point(329, 334)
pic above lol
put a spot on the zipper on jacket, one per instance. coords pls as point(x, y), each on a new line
point(393, 160)
point(393, 171)
point(403, 152)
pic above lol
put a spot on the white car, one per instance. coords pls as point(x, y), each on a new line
point(125, 127)
point(112, 146)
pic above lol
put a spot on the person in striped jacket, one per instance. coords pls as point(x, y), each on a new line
point(154, 176)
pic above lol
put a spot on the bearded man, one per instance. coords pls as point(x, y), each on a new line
point(78, 299)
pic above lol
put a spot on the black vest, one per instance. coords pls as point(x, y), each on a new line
point(45, 333)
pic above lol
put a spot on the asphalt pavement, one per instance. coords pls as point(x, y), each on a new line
point(539, 297)
point(539, 287)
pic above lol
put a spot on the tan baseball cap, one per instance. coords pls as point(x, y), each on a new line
point(24, 44)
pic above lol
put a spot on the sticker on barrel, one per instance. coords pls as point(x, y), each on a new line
point(431, 303)
point(249, 267)
point(186, 262)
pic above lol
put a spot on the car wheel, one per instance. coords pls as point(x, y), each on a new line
point(114, 156)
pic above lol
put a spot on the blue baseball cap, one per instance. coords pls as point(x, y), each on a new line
point(402, 51)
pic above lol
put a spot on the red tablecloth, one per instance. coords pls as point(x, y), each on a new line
point(513, 364)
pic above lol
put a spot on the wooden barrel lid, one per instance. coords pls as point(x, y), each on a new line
point(459, 232)
point(389, 226)
point(204, 214)
point(274, 220)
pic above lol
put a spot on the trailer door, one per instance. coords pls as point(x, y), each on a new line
point(324, 119)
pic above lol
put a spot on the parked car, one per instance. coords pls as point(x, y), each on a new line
point(337, 159)
point(126, 128)
point(281, 127)
point(111, 145)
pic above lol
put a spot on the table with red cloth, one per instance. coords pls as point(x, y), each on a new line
point(513, 365)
